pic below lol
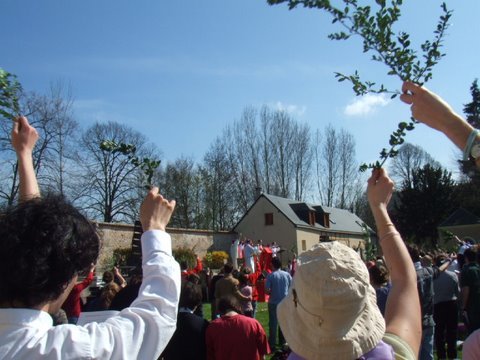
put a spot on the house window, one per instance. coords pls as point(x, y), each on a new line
point(326, 220)
point(269, 219)
point(324, 237)
point(304, 245)
point(311, 218)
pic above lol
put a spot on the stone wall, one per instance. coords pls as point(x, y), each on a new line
point(116, 236)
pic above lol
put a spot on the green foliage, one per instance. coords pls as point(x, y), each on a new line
point(431, 192)
point(215, 259)
point(146, 164)
point(472, 109)
point(120, 257)
point(370, 248)
point(393, 49)
point(10, 90)
point(184, 254)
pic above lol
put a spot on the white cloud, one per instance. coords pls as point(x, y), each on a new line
point(366, 105)
point(295, 110)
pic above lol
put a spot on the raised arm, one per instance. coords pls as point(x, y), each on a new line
point(433, 111)
point(143, 330)
point(403, 314)
point(119, 276)
point(24, 137)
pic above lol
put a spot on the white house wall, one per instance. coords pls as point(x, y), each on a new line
point(282, 231)
point(311, 237)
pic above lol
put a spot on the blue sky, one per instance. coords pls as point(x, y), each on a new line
point(179, 71)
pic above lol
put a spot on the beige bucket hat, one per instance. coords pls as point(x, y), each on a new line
point(330, 311)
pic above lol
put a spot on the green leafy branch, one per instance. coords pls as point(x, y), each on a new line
point(146, 164)
point(390, 48)
point(10, 90)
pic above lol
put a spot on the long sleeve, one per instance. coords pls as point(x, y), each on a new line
point(144, 329)
point(87, 281)
point(141, 331)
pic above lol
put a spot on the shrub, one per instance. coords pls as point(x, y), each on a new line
point(120, 257)
point(182, 254)
point(215, 259)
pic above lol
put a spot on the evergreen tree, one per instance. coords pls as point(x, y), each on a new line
point(424, 203)
point(472, 109)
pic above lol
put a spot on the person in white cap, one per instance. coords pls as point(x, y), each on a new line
point(330, 311)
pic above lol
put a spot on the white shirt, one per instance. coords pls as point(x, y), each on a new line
point(141, 331)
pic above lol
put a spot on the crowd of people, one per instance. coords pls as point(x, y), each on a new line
point(335, 306)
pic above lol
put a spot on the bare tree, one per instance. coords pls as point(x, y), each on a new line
point(348, 170)
point(302, 152)
point(327, 165)
point(60, 158)
point(336, 168)
point(410, 158)
point(111, 180)
point(51, 115)
point(266, 153)
point(281, 147)
point(180, 182)
point(220, 202)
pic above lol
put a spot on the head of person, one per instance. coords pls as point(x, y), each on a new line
point(227, 268)
point(193, 278)
point(378, 275)
point(190, 296)
point(276, 263)
point(247, 270)
point(330, 311)
point(108, 277)
point(183, 265)
point(426, 260)
point(229, 303)
point(470, 255)
point(45, 243)
point(243, 279)
point(469, 240)
point(440, 260)
point(414, 253)
point(108, 293)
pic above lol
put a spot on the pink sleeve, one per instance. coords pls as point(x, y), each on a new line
point(471, 346)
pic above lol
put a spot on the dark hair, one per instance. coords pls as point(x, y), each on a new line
point(193, 278)
point(276, 262)
point(440, 260)
point(243, 279)
point(107, 295)
point(228, 268)
point(378, 274)
point(45, 242)
point(108, 277)
point(470, 255)
point(414, 253)
point(229, 303)
point(190, 296)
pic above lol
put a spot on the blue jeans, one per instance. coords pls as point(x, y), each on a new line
point(426, 347)
point(273, 325)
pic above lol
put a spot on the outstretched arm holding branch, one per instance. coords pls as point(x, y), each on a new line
point(433, 111)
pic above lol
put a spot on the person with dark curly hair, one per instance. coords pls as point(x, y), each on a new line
point(46, 244)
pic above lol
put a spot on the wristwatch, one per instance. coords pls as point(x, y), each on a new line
point(475, 151)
